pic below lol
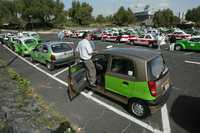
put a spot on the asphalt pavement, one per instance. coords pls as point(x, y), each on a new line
point(95, 113)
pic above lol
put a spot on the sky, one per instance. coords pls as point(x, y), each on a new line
point(108, 7)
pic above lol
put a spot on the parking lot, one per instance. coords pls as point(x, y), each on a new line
point(95, 113)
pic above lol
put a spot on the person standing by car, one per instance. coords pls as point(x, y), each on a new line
point(85, 51)
point(172, 40)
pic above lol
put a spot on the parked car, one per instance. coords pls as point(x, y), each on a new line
point(192, 44)
point(2, 38)
point(137, 77)
point(32, 34)
point(11, 41)
point(180, 35)
point(96, 35)
point(145, 40)
point(53, 54)
point(24, 45)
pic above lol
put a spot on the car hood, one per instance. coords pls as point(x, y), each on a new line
point(31, 46)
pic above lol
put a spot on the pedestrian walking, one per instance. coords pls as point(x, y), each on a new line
point(172, 40)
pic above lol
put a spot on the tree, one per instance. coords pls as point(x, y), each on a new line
point(100, 19)
point(123, 17)
point(44, 11)
point(193, 15)
point(81, 13)
point(165, 18)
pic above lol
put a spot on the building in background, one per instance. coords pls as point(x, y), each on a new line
point(145, 17)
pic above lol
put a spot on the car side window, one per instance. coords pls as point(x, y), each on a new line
point(19, 42)
point(194, 40)
point(148, 37)
point(40, 48)
point(123, 66)
point(44, 49)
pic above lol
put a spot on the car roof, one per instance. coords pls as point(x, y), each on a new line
point(24, 38)
point(49, 43)
point(195, 36)
point(140, 53)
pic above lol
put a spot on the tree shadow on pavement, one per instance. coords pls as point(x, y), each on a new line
point(186, 113)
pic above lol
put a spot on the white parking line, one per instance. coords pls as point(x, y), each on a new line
point(58, 73)
point(166, 126)
point(192, 62)
point(165, 120)
point(37, 64)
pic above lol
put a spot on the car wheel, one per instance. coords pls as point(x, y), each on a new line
point(32, 60)
point(22, 54)
point(50, 66)
point(138, 108)
point(178, 47)
point(150, 45)
point(132, 42)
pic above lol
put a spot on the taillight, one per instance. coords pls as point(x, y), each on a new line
point(53, 57)
point(152, 88)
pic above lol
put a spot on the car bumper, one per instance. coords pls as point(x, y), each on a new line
point(156, 104)
point(64, 62)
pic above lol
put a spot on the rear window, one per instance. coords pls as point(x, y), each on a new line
point(61, 47)
point(155, 67)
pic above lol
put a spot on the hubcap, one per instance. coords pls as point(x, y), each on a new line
point(178, 47)
point(137, 109)
point(48, 66)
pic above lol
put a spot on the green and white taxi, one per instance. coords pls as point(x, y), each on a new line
point(32, 34)
point(24, 45)
point(192, 44)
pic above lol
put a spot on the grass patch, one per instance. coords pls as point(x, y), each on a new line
point(43, 115)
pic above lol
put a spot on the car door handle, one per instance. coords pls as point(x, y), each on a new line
point(125, 83)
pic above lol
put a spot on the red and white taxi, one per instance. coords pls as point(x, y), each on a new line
point(112, 37)
point(180, 35)
point(147, 40)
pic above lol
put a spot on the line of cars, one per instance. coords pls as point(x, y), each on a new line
point(136, 77)
point(51, 54)
point(144, 37)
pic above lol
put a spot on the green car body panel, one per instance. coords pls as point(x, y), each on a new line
point(41, 57)
point(138, 90)
point(23, 48)
point(192, 44)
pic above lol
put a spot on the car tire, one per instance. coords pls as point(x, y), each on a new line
point(132, 42)
point(150, 45)
point(50, 66)
point(138, 108)
point(178, 47)
point(22, 54)
point(32, 60)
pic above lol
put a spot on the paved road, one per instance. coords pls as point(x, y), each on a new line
point(97, 114)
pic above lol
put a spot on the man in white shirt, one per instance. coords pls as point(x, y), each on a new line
point(85, 51)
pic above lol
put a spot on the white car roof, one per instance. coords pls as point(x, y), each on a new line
point(24, 38)
point(196, 36)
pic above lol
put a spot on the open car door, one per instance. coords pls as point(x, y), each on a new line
point(76, 80)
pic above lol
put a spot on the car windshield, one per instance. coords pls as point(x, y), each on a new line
point(61, 47)
point(29, 41)
point(34, 35)
point(155, 67)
